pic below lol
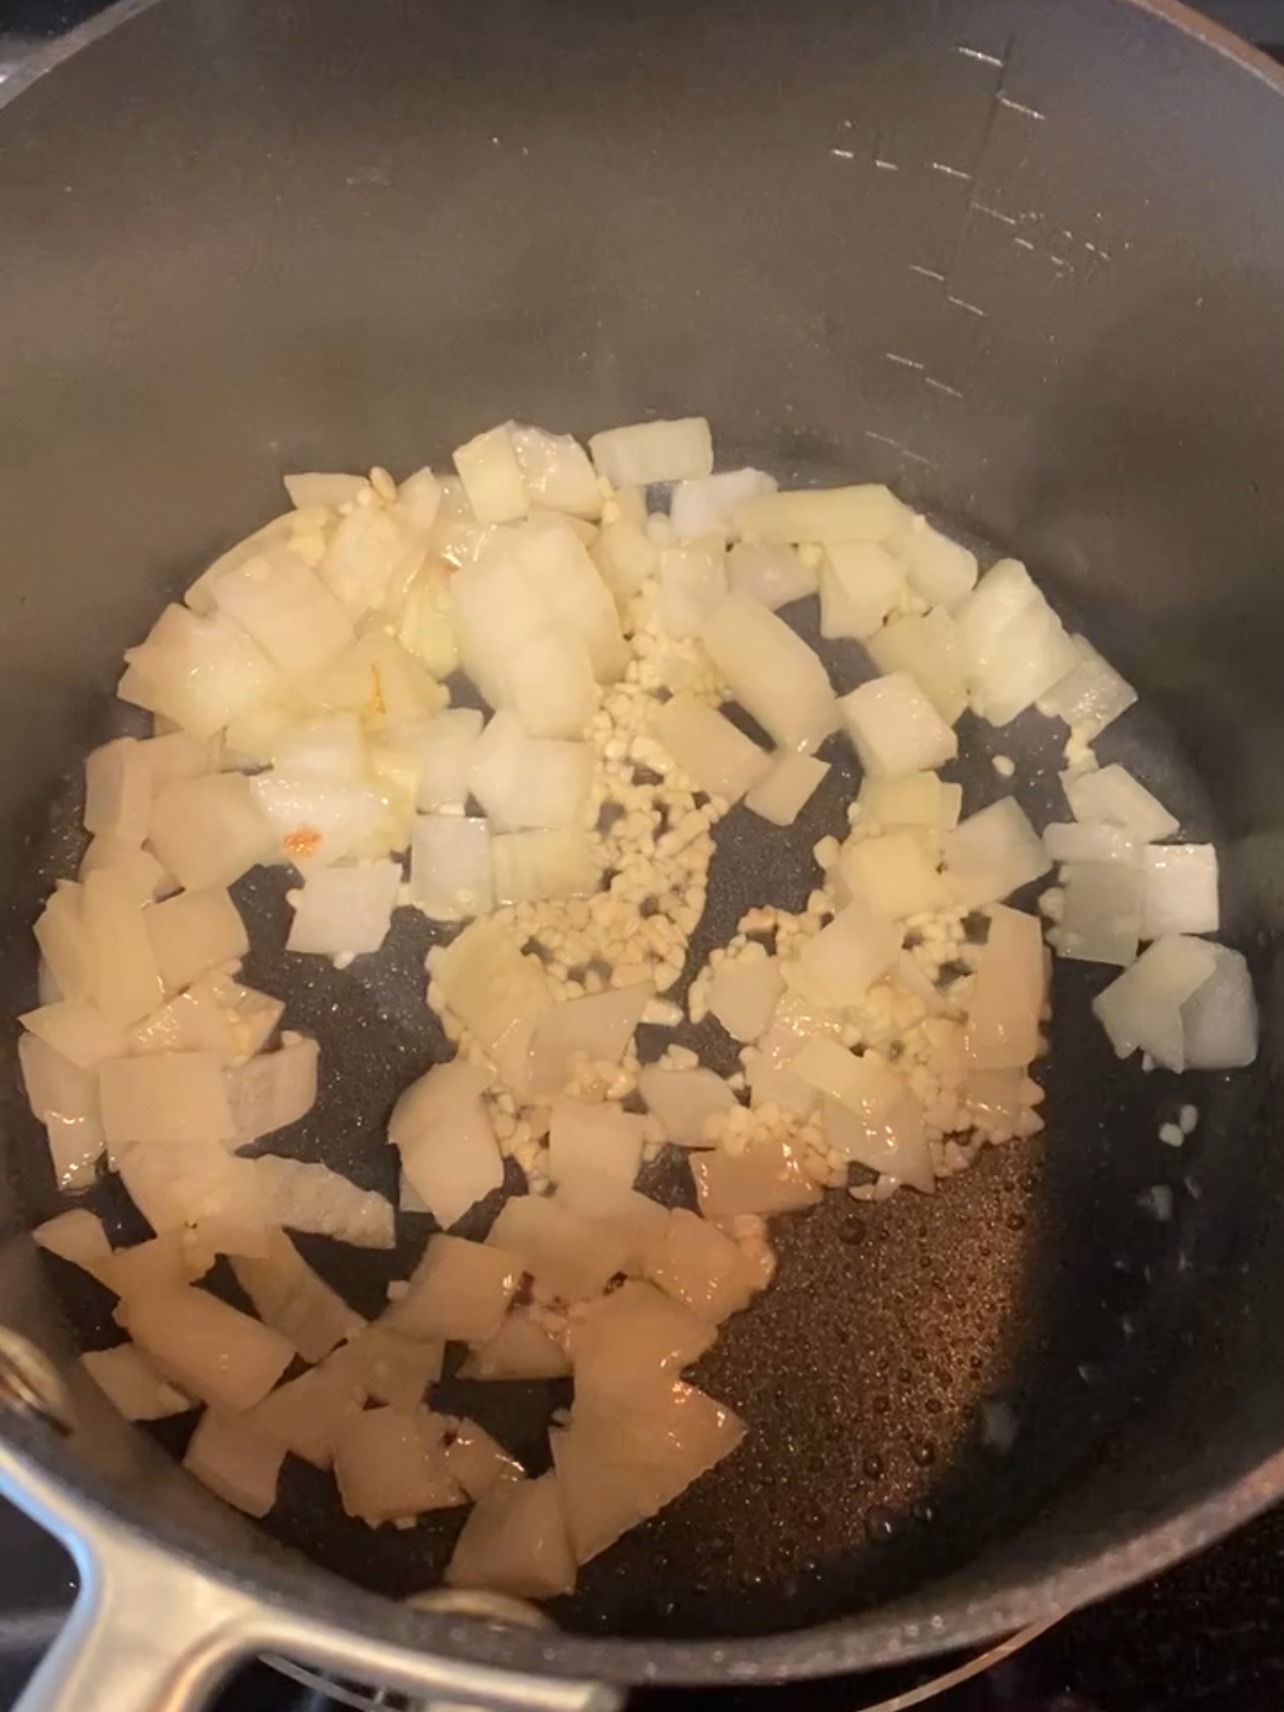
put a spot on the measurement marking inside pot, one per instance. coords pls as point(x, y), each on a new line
point(979, 54)
point(905, 362)
point(942, 386)
point(927, 272)
point(843, 154)
point(1023, 243)
point(951, 171)
point(1018, 107)
point(899, 446)
point(962, 303)
point(993, 213)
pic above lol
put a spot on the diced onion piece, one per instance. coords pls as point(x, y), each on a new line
point(79, 1237)
point(617, 1468)
point(318, 820)
point(515, 1542)
point(929, 649)
point(707, 505)
point(133, 688)
point(1007, 996)
point(556, 471)
point(329, 490)
point(380, 682)
point(1143, 1008)
point(996, 1101)
point(895, 873)
point(693, 580)
point(201, 672)
point(180, 1096)
point(1091, 841)
point(570, 1258)
point(865, 1084)
point(531, 866)
point(1113, 795)
point(118, 791)
point(332, 747)
point(1179, 890)
point(283, 606)
point(860, 583)
point(648, 452)
point(447, 1144)
point(868, 513)
point(894, 1144)
point(289, 1296)
point(450, 867)
point(993, 853)
point(425, 620)
point(772, 672)
point(1003, 593)
point(477, 1461)
point(1101, 913)
point(192, 933)
point(313, 1199)
point(684, 1101)
point(176, 756)
point(209, 1350)
point(292, 529)
point(139, 869)
point(940, 571)
point(371, 552)
point(772, 1083)
point(216, 1014)
point(520, 1349)
point(786, 787)
point(305, 1416)
point(177, 1185)
point(556, 563)
point(445, 758)
point(1219, 1019)
point(1090, 696)
point(708, 748)
point(839, 965)
point(636, 1220)
point(492, 477)
point(390, 1465)
point(601, 1138)
point(64, 944)
point(598, 1027)
point(766, 1179)
point(743, 996)
point(497, 992)
point(625, 558)
point(343, 911)
point(1031, 653)
point(273, 1091)
point(78, 1032)
point(164, 1263)
point(497, 611)
point(770, 572)
point(701, 1268)
point(394, 1368)
point(133, 1385)
point(460, 1290)
point(551, 687)
point(418, 503)
point(894, 727)
point(127, 983)
point(526, 781)
point(630, 1339)
point(208, 832)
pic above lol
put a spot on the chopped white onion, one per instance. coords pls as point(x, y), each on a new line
point(515, 1542)
point(217, 1015)
point(648, 452)
point(291, 529)
point(383, 1364)
point(79, 1237)
point(1179, 890)
point(772, 672)
point(197, 1184)
point(343, 911)
point(133, 1385)
point(64, 945)
point(636, 1222)
point(139, 869)
point(520, 1349)
point(446, 1140)
point(306, 1416)
point(283, 606)
point(1031, 652)
point(1219, 1019)
point(556, 471)
point(492, 477)
point(163, 1263)
point(1142, 1009)
point(1091, 841)
point(524, 781)
point(1113, 795)
point(460, 1290)
point(770, 572)
point(625, 557)
point(1006, 1001)
point(451, 875)
point(940, 571)
point(743, 996)
point(914, 799)
point(867, 513)
point(315, 820)
point(894, 1143)
point(839, 965)
point(445, 749)
point(895, 729)
point(477, 1461)
point(208, 832)
point(895, 873)
point(192, 933)
point(786, 787)
point(178, 1096)
point(601, 1138)
point(531, 866)
point(371, 552)
point(767, 1178)
point(633, 1337)
point(1090, 696)
point(390, 1465)
point(272, 1091)
point(569, 1257)
point(289, 1296)
point(201, 672)
point(1101, 914)
point(78, 1032)
point(597, 1027)
point(860, 583)
point(314, 487)
point(331, 747)
point(930, 650)
point(118, 791)
point(551, 687)
point(313, 1199)
point(993, 853)
point(708, 505)
point(1003, 593)
point(693, 580)
point(708, 748)
point(380, 682)
point(209, 1350)
point(127, 982)
point(701, 1268)
point(556, 564)
point(496, 992)
point(683, 1101)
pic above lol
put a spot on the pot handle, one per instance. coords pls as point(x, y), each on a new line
point(150, 1632)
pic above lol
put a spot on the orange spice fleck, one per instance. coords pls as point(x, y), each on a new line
point(302, 842)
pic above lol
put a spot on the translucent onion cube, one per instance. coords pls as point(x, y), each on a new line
point(180, 1096)
point(570, 1257)
point(860, 583)
point(839, 965)
point(390, 1465)
point(1179, 890)
point(684, 1101)
point(1090, 696)
point(786, 788)
point(345, 910)
point(207, 1349)
point(867, 513)
point(600, 1138)
point(895, 729)
point(442, 1129)
point(1006, 1001)
point(708, 748)
point(1112, 794)
point(283, 605)
point(193, 933)
point(460, 1290)
point(772, 672)
point(927, 647)
point(773, 574)
point(992, 854)
point(743, 996)
point(311, 1198)
point(709, 503)
point(701, 1268)
point(895, 873)
point(693, 579)
point(126, 1376)
point(1101, 915)
point(118, 790)
point(1219, 1019)
point(941, 571)
point(1143, 1008)
point(644, 453)
point(767, 1178)
point(515, 1542)
point(208, 832)
point(450, 867)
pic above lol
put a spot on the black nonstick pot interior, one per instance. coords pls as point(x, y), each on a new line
point(1021, 260)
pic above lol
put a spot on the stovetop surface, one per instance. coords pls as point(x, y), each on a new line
point(1206, 1637)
